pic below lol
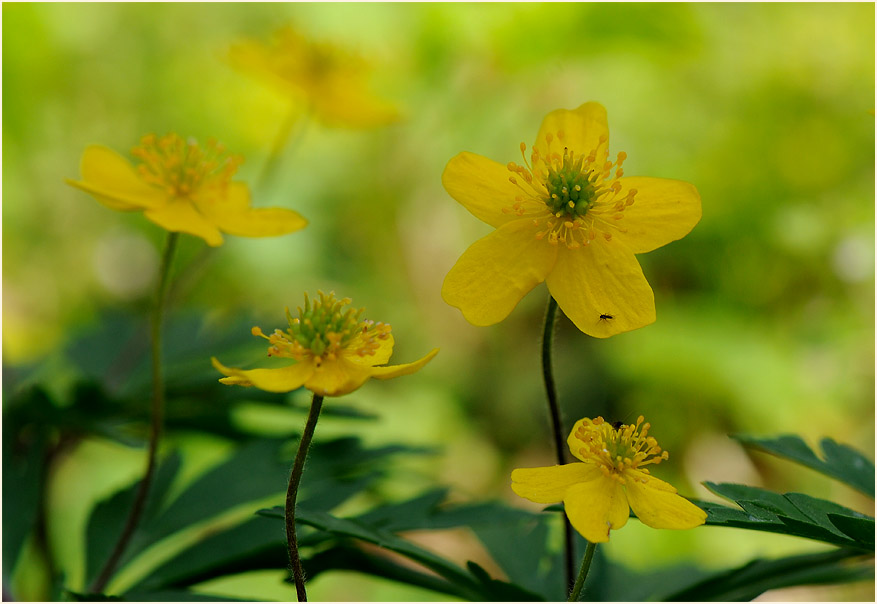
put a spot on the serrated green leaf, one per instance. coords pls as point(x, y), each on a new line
point(790, 514)
point(758, 576)
point(348, 557)
point(467, 583)
point(840, 461)
point(858, 529)
point(383, 538)
point(763, 504)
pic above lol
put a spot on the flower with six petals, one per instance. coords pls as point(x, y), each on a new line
point(327, 80)
point(570, 218)
point(183, 187)
point(335, 352)
point(596, 494)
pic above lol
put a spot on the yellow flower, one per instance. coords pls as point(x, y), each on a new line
point(335, 351)
point(596, 494)
point(330, 82)
point(570, 218)
point(183, 187)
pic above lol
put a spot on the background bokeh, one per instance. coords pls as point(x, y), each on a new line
point(765, 311)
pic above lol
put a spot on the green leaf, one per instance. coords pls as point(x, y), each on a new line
point(254, 545)
point(515, 538)
point(858, 529)
point(840, 461)
point(474, 586)
point(335, 471)
point(790, 514)
point(108, 517)
point(177, 596)
point(758, 576)
point(349, 557)
point(25, 449)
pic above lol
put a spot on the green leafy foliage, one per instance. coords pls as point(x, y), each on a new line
point(758, 576)
point(380, 525)
point(790, 514)
point(26, 442)
point(337, 470)
point(838, 461)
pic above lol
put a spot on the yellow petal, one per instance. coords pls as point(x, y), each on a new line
point(581, 130)
point(334, 378)
point(655, 483)
point(549, 485)
point(482, 186)
point(596, 507)
point(663, 210)
point(345, 100)
point(492, 276)
point(601, 288)
point(380, 356)
point(114, 182)
point(574, 444)
point(233, 215)
point(659, 508)
point(284, 379)
point(391, 371)
point(180, 215)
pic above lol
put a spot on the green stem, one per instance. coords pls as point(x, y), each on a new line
point(280, 143)
point(157, 420)
point(583, 573)
point(298, 575)
point(556, 423)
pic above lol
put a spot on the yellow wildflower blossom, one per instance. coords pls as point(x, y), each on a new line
point(568, 217)
point(182, 187)
point(596, 494)
point(335, 351)
point(330, 82)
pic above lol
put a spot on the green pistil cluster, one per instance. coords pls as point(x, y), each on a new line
point(323, 324)
point(571, 190)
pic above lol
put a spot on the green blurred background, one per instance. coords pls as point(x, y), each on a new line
point(765, 311)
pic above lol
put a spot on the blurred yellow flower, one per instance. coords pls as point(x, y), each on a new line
point(570, 218)
point(182, 187)
point(330, 82)
point(596, 494)
point(335, 351)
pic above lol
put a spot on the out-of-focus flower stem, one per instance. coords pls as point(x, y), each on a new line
point(556, 422)
point(292, 492)
point(157, 419)
point(296, 120)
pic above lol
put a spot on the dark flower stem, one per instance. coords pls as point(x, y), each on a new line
point(298, 465)
point(157, 420)
point(583, 573)
point(556, 423)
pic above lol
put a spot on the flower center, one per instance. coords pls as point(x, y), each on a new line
point(322, 329)
point(306, 62)
point(618, 449)
point(182, 167)
point(571, 190)
point(572, 197)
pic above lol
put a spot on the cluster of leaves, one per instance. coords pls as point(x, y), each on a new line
point(111, 381)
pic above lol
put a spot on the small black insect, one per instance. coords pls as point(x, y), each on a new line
point(617, 425)
point(606, 317)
